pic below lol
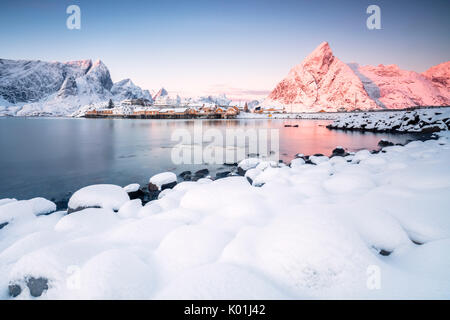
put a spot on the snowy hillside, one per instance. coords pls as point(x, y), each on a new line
point(323, 82)
point(35, 88)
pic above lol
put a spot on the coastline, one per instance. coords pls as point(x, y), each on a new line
point(319, 195)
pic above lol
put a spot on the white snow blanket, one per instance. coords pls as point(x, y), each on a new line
point(366, 226)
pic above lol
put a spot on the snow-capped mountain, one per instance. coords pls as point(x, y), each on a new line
point(126, 89)
point(399, 89)
point(33, 88)
point(323, 82)
point(161, 93)
point(221, 100)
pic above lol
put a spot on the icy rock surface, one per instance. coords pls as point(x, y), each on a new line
point(308, 230)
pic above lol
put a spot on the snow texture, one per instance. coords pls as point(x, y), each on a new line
point(322, 229)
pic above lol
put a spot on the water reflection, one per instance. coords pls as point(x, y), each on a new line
point(53, 157)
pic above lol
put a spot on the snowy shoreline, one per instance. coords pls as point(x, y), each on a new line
point(420, 121)
point(309, 230)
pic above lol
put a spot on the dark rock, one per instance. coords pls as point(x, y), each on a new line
point(220, 175)
point(431, 129)
point(385, 252)
point(37, 286)
point(249, 180)
point(61, 204)
point(152, 195)
point(14, 290)
point(139, 194)
point(201, 173)
point(186, 175)
point(240, 171)
point(152, 187)
point(413, 121)
point(231, 164)
point(384, 143)
point(338, 152)
point(168, 185)
point(253, 155)
point(318, 155)
point(2, 225)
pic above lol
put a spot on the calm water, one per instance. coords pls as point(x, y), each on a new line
point(55, 157)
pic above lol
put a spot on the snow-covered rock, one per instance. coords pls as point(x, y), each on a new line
point(310, 231)
point(421, 120)
point(42, 206)
point(132, 187)
point(247, 164)
point(15, 211)
point(105, 196)
point(162, 179)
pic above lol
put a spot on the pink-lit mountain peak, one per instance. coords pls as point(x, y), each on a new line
point(323, 82)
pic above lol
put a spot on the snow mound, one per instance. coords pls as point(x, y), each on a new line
point(105, 196)
point(42, 206)
point(132, 187)
point(163, 178)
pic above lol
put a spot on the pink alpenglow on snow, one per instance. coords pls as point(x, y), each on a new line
point(401, 89)
point(323, 82)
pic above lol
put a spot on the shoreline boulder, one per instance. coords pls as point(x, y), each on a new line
point(106, 196)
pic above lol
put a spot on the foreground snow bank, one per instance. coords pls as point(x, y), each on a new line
point(366, 225)
point(423, 120)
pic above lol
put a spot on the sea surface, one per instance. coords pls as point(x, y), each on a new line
point(54, 157)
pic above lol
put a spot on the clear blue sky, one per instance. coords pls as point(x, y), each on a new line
point(238, 47)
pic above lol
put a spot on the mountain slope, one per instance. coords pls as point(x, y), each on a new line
point(401, 89)
point(321, 82)
point(34, 88)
